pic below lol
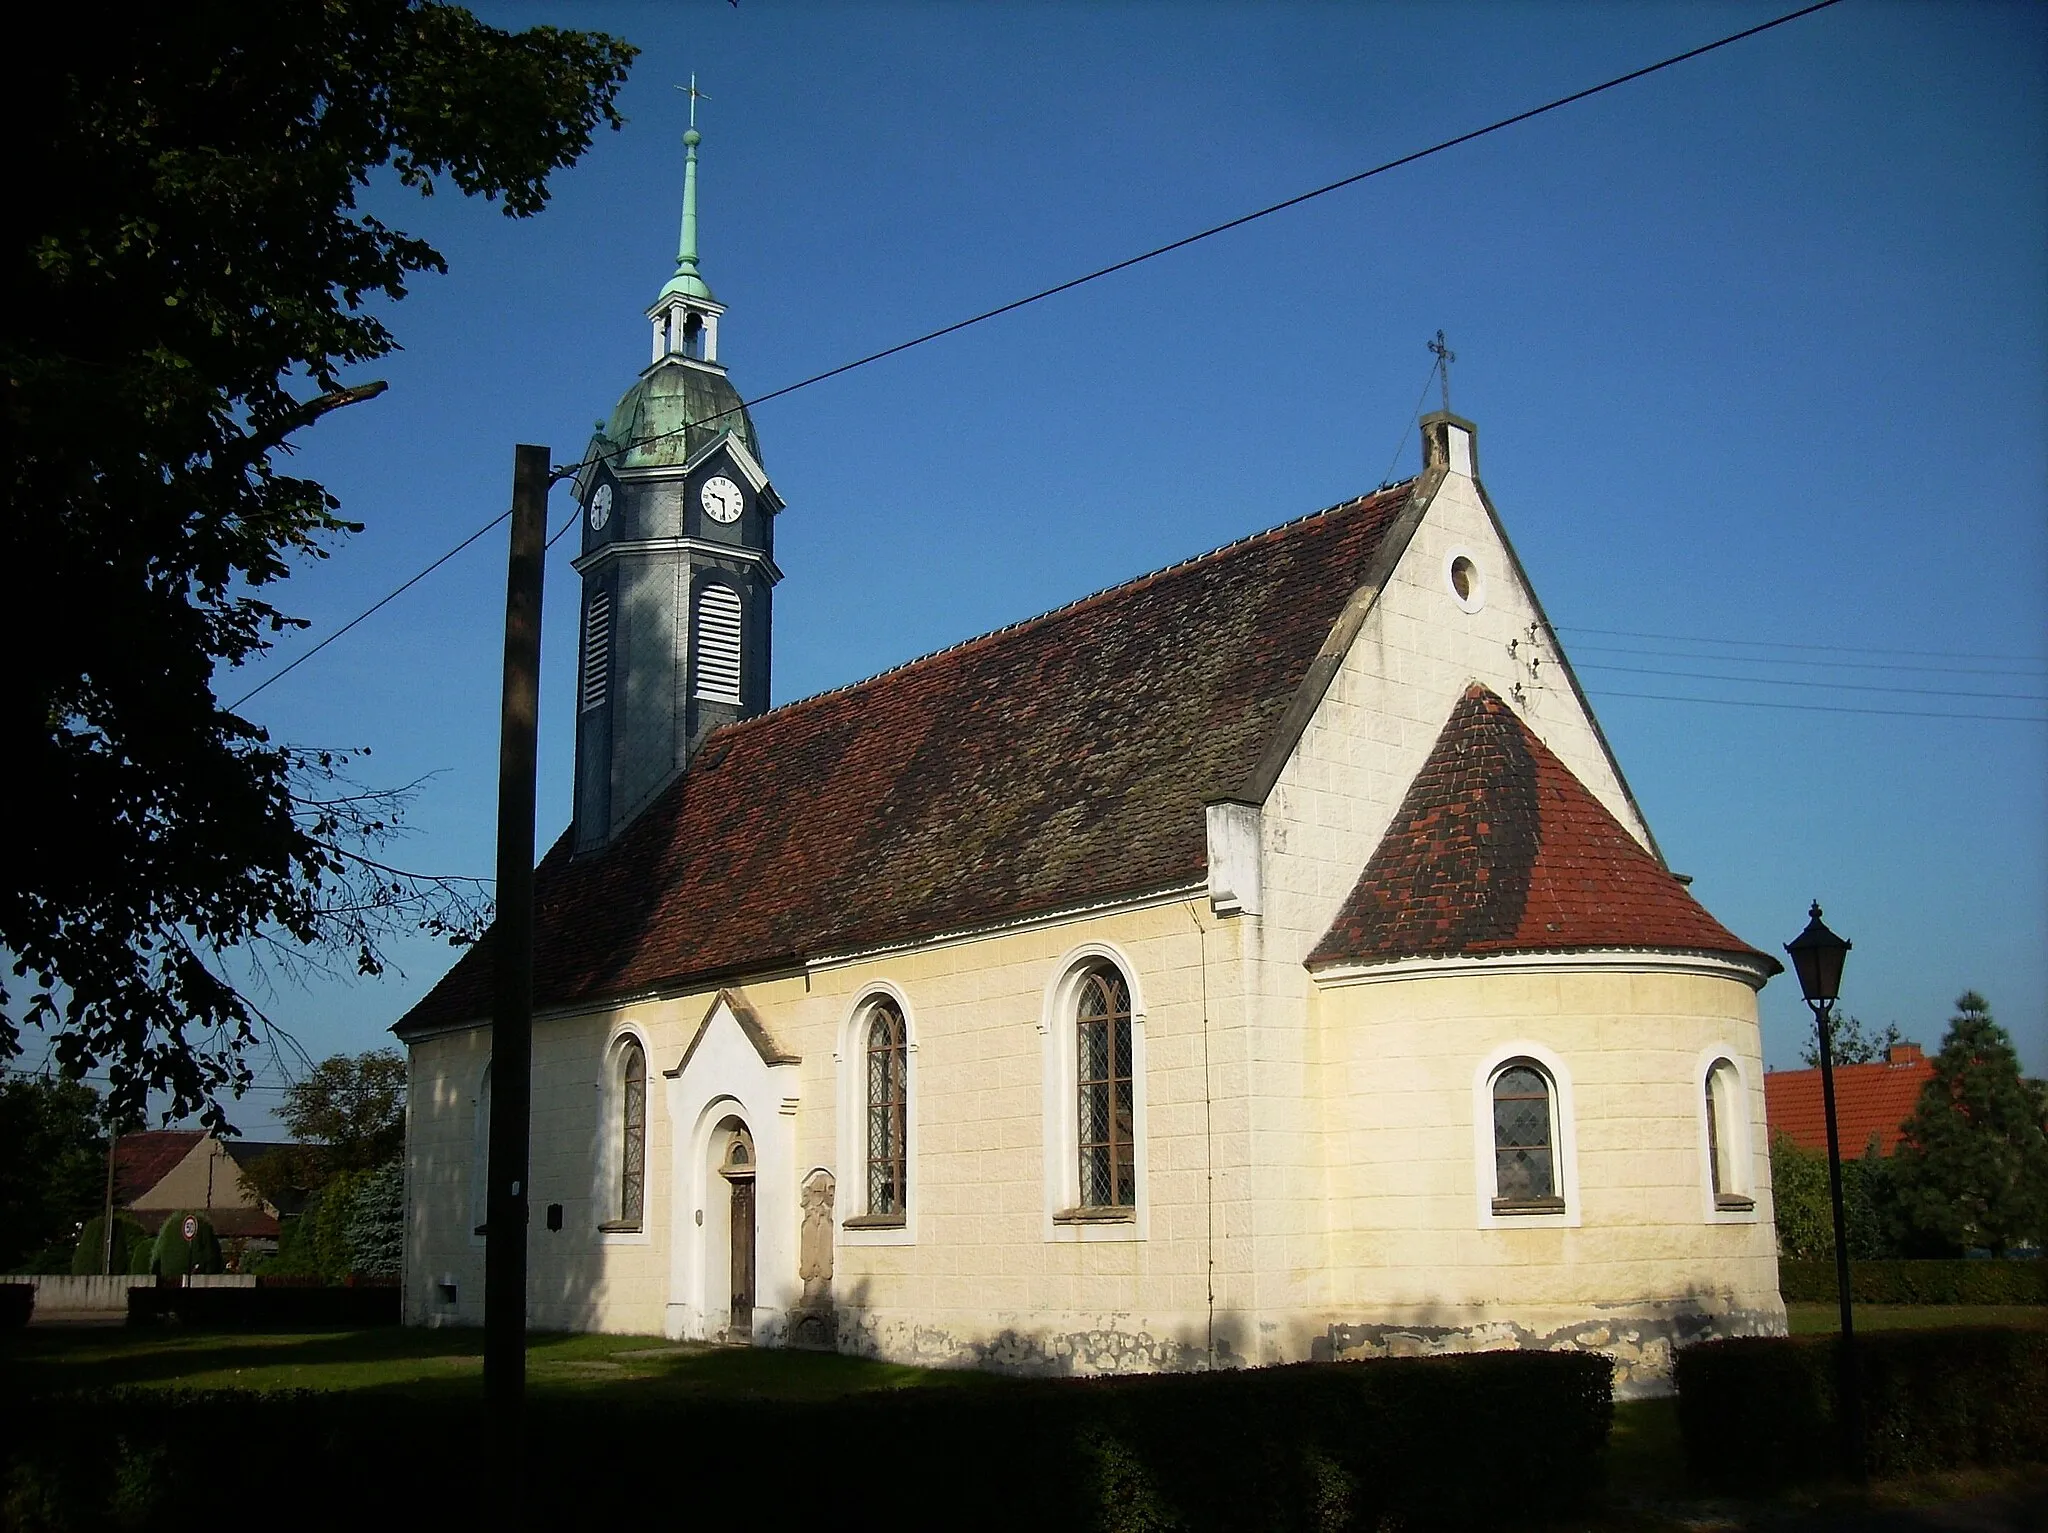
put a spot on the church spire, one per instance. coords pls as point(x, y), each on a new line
point(685, 315)
point(688, 282)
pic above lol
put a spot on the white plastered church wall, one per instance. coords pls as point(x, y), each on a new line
point(987, 1279)
point(579, 1277)
point(1420, 646)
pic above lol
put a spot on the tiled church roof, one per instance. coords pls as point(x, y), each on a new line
point(1046, 765)
point(1498, 848)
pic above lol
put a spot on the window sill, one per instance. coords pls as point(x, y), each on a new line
point(874, 1222)
point(1512, 1207)
point(1096, 1216)
point(619, 1227)
point(1730, 1203)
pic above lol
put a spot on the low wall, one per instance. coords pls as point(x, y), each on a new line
point(74, 1295)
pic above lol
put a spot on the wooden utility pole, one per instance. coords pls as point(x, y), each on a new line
point(107, 1208)
point(512, 963)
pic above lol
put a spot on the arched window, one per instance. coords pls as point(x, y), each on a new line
point(716, 642)
point(1105, 1116)
point(1727, 1139)
point(597, 650)
point(632, 1133)
point(888, 1101)
point(1525, 1179)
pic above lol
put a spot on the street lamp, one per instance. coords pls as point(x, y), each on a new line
point(1817, 956)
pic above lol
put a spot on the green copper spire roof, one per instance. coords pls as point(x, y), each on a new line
point(687, 281)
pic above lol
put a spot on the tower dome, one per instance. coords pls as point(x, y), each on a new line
point(673, 412)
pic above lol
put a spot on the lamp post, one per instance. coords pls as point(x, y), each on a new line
point(1817, 957)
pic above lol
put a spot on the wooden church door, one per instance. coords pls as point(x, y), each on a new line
point(742, 1323)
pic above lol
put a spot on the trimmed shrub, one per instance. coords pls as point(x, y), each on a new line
point(176, 1257)
point(17, 1303)
point(1762, 1411)
point(129, 1238)
point(1918, 1282)
point(1502, 1438)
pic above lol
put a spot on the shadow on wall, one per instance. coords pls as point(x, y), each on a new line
point(1641, 1339)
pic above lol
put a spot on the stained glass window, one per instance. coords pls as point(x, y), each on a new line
point(1523, 1159)
point(888, 1100)
point(1107, 1105)
point(633, 1131)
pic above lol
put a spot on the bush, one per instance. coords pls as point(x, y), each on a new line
point(17, 1303)
point(376, 1222)
point(175, 1256)
point(1757, 1412)
point(129, 1238)
point(1312, 1446)
point(1918, 1282)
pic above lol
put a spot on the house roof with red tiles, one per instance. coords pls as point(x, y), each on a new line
point(228, 1223)
point(1058, 763)
point(1498, 849)
point(1871, 1101)
point(144, 1159)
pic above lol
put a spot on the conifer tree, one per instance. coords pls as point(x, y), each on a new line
point(1972, 1163)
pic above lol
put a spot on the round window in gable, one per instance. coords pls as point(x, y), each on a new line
point(1467, 585)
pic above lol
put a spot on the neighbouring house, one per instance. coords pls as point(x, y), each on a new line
point(1264, 959)
point(161, 1172)
point(1872, 1102)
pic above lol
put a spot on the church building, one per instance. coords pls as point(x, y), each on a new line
point(1262, 960)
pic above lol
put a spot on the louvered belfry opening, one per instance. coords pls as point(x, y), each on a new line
point(597, 649)
point(716, 635)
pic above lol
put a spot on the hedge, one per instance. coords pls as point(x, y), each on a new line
point(266, 1308)
point(1455, 1442)
point(1761, 1411)
point(1918, 1282)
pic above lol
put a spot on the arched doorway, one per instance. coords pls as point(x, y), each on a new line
point(736, 1167)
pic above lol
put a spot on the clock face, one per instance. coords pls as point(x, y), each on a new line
point(600, 507)
point(722, 499)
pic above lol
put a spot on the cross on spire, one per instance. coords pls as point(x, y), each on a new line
point(695, 95)
point(1444, 358)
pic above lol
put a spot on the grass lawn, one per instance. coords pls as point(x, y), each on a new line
point(47, 1359)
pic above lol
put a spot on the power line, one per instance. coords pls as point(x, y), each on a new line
point(381, 602)
point(1223, 228)
point(569, 470)
point(1890, 713)
point(1831, 686)
point(1832, 649)
point(1832, 665)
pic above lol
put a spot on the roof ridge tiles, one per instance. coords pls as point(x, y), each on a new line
point(1136, 582)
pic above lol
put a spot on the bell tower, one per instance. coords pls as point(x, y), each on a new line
point(677, 560)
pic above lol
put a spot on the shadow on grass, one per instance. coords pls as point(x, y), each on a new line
point(444, 1363)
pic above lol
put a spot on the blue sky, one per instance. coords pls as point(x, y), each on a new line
point(1758, 349)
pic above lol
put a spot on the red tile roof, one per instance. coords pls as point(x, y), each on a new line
point(1498, 848)
point(228, 1223)
point(1057, 762)
point(142, 1160)
point(1870, 1101)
